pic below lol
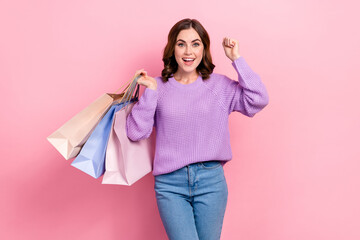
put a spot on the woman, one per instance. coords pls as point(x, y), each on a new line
point(189, 107)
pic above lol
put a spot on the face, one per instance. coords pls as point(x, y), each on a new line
point(188, 50)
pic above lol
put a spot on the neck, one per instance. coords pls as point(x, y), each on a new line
point(186, 77)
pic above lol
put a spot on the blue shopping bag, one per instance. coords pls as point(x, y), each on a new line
point(91, 158)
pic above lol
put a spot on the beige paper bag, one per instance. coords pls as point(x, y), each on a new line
point(71, 136)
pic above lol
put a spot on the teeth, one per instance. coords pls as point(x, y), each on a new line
point(188, 59)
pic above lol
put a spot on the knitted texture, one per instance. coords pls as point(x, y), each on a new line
point(191, 120)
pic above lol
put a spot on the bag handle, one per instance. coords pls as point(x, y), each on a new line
point(116, 96)
point(137, 92)
point(129, 91)
point(128, 84)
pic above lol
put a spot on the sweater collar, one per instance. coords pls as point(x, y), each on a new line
point(192, 85)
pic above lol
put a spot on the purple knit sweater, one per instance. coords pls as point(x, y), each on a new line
point(191, 120)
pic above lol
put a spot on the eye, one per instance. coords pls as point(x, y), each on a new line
point(196, 44)
point(180, 44)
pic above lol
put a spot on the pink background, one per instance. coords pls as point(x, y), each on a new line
point(295, 168)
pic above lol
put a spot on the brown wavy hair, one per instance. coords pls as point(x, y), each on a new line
point(205, 67)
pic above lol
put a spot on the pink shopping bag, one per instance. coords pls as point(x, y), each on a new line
point(127, 161)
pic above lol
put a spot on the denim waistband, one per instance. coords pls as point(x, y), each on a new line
point(203, 161)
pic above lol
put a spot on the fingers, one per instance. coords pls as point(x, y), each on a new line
point(141, 72)
point(146, 82)
point(229, 42)
point(143, 75)
point(138, 71)
point(141, 82)
point(144, 79)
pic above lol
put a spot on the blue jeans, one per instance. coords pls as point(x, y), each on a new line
point(192, 201)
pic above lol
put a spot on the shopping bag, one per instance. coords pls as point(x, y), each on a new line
point(71, 136)
point(127, 161)
point(91, 158)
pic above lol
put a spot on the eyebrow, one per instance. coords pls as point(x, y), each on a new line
point(191, 41)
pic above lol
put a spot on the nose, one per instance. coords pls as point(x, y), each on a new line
point(188, 50)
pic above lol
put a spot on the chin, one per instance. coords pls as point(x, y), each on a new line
point(189, 69)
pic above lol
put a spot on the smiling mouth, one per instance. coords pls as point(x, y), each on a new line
point(188, 59)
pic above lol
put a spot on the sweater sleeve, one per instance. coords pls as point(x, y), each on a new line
point(248, 95)
point(140, 121)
